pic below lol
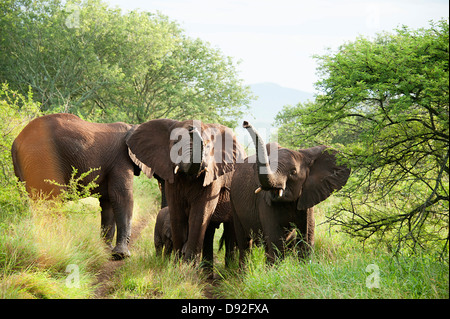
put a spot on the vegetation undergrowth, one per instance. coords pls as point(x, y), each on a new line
point(46, 254)
point(37, 248)
point(339, 268)
point(145, 275)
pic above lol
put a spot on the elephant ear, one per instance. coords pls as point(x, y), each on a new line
point(325, 176)
point(148, 147)
point(223, 151)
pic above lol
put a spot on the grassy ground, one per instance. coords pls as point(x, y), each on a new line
point(338, 269)
point(57, 253)
point(37, 249)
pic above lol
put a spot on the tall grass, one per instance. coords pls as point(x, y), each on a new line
point(37, 248)
point(145, 275)
point(339, 267)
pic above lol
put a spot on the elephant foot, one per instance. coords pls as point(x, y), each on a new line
point(191, 258)
point(109, 246)
point(208, 271)
point(119, 253)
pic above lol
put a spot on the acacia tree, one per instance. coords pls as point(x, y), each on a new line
point(384, 103)
point(83, 57)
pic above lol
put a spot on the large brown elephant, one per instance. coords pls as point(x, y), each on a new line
point(50, 146)
point(197, 161)
point(273, 191)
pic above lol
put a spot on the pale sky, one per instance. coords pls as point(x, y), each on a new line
point(275, 39)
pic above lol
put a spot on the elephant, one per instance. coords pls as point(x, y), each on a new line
point(196, 160)
point(49, 147)
point(276, 190)
point(163, 233)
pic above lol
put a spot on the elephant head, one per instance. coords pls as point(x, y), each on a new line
point(307, 176)
point(167, 147)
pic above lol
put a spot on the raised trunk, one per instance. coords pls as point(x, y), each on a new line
point(265, 175)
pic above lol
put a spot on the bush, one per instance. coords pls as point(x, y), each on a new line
point(15, 112)
point(384, 104)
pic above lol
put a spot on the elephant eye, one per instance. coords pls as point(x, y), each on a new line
point(293, 172)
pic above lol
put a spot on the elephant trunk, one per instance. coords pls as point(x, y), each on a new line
point(193, 154)
point(266, 177)
point(197, 155)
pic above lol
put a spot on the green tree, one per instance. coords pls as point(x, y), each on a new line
point(384, 103)
point(15, 112)
point(83, 57)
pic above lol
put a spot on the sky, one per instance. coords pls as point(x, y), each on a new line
point(275, 40)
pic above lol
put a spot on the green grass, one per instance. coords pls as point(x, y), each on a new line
point(339, 268)
point(145, 275)
point(37, 246)
point(345, 275)
point(148, 276)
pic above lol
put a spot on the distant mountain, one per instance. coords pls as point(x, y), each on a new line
point(271, 99)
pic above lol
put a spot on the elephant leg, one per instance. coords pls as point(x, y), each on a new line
point(208, 250)
point(158, 242)
point(167, 247)
point(199, 217)
point(108, 223)
point(311, 221)
point(273, 232)
point(275, 246)
point(121, 196)
point(305, 224)
point(178, 218)
point(242, 240)
point(230, 243)
point(179, 226)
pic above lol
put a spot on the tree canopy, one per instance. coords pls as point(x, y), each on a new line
point(384, 103)
point(83, 57)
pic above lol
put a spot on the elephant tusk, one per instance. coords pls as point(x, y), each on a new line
point(258, 190)
point(291, 235)
point(280, 193)
point(204, 170)
point(175, 171)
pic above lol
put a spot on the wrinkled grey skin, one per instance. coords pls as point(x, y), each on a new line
point(269, 202)
point(193, 186)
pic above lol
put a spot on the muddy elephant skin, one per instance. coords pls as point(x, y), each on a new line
point(49, 147)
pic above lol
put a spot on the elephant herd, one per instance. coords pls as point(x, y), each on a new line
point(205, 175)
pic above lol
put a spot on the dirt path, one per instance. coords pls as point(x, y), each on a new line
point(208, 291)
point(105, 284)
point(104, 281)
